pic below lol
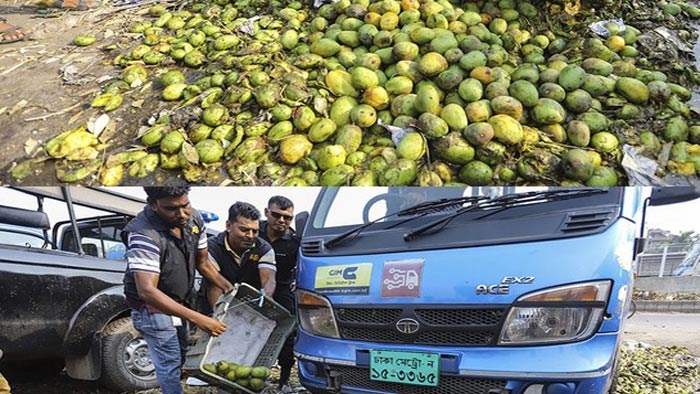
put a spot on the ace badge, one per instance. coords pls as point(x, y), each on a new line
point(402, 278)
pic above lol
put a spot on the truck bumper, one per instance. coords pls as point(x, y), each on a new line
point(334, 366)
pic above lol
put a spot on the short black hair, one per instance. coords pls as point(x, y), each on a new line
point(280, 201)
point(157, 192)
point(240, 208)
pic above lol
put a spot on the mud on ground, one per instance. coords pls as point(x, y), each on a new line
point(62, 383)
point(47, 82)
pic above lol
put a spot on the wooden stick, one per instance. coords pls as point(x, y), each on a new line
point(63, 111)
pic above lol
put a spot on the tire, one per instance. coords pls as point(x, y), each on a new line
point(126, 363)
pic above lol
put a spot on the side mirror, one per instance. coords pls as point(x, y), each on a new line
point(300, 222)
point(639, 245)
point(672, 195)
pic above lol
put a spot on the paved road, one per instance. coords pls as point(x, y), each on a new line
point(665, 329)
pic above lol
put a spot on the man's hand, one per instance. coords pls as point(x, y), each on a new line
point(211, 326)
point(227, 286)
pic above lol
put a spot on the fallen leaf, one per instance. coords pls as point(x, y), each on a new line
point(572, 8)
point(30, 145)
point(142, 131)
point(190, 153)
point(137, 103)
point(104, 78)
point(75, 117)
point(146, 86)
point(18, 106)
point(108, 132)
point(96, 126)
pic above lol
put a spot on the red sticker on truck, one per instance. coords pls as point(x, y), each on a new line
point(402, 278)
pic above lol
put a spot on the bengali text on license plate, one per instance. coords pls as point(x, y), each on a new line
point(404, 367)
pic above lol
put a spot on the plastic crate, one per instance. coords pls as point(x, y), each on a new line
point(254, 336)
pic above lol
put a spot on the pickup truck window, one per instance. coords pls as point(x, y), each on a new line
point(99, 238)
point(21, 236)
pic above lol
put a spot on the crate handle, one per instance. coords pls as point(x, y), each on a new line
point(260, 300)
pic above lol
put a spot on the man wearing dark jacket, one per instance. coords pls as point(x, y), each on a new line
point(166, 242)
point(277, 231)
point(240, 255)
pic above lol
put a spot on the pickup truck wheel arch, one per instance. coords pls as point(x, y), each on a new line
point(126, 363)
point(97, 312)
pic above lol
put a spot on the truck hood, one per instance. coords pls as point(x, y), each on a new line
point(485, 275)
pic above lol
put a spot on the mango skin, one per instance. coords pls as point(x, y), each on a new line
point(633, 90)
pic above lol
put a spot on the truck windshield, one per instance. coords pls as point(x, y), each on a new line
point(342, 207)
point(501, 203)
point(348, 221)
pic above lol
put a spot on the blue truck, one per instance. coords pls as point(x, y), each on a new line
point(468, 290)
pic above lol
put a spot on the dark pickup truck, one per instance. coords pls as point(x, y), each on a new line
point(62, 300)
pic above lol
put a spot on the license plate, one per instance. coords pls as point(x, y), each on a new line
point(404, 367)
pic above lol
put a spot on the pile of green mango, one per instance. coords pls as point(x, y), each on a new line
point(657, 370)
point(252, 378)
point(395, 92)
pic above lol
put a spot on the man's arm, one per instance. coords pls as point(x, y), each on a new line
point(211, 274)
point(267, 280)
point(147, 287)
point(213, 294)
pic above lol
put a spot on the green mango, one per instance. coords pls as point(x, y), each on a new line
point(633, 90)
point(427, 100)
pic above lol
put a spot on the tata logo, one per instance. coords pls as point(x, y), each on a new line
point(407, 326)
point(347, 273)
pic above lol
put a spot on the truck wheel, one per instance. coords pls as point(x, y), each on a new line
point(126, 364)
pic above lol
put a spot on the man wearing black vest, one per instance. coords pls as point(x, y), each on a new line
point(240, 255)
point(166, 242)
point(277, 231)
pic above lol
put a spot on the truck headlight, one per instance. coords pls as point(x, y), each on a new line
point(316, 314)
point(561, 314)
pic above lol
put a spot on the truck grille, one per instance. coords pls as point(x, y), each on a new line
point(448, 384)
point(438, 325)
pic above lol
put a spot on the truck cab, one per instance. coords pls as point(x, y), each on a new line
point(467, 290)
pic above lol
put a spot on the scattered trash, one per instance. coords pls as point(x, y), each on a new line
point(640, 170)
point(602, 28)
point(70, 74)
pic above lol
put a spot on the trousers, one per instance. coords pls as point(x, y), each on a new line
point(167, 346)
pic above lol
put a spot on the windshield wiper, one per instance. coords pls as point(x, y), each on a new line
point(503, 202)
point(423, 209)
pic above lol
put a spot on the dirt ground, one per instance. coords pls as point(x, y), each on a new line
point(47, 82)
point(62, 383)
